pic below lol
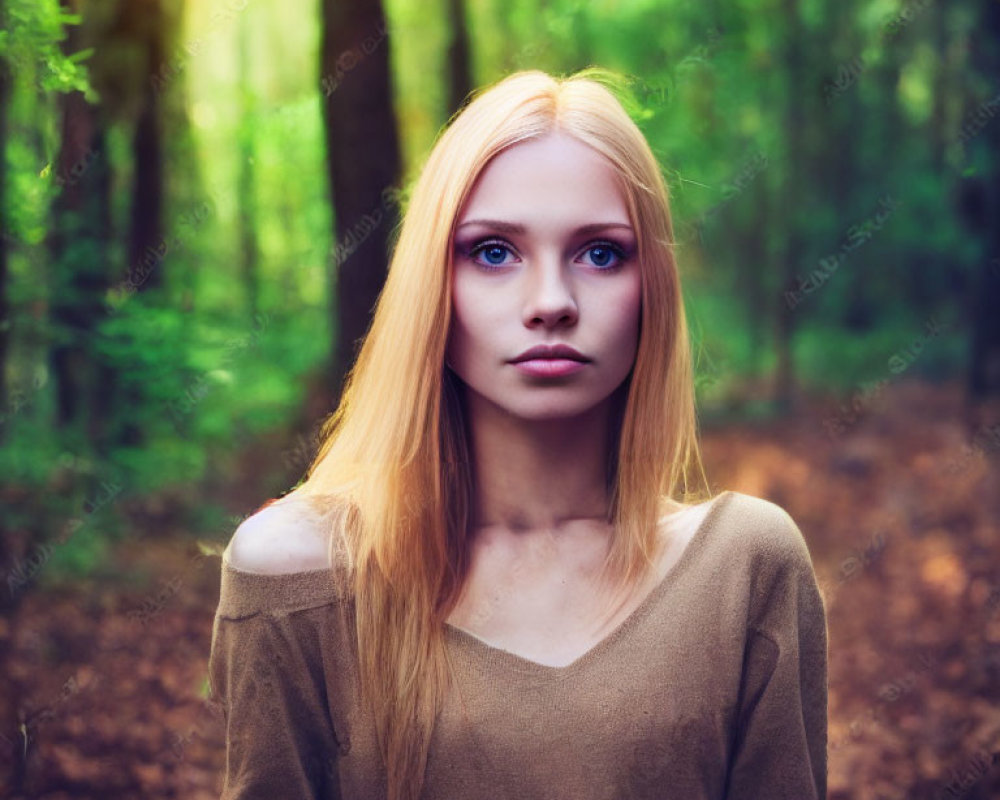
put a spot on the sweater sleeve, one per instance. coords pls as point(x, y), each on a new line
point(279, 739)
point(781, 738)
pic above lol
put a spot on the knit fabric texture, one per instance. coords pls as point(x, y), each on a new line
point(713, 688)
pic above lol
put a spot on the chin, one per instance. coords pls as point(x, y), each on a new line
point(551, 408)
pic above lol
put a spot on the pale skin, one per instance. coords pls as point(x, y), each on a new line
point(537, 444)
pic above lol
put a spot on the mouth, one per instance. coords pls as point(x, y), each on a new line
point(551, 352)
point(549, 367)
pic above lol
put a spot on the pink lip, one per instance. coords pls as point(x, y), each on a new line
point(549, 367)
point(557, 351)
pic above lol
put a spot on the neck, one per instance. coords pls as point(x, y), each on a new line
point(537, 475)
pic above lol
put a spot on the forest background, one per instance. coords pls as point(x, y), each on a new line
point(198, 200)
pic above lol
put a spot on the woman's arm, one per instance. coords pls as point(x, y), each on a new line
point(279, 742)
point(266, 663)
point(781, 738)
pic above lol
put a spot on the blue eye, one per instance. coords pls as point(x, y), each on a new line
point(603, 253)
point(493, 253)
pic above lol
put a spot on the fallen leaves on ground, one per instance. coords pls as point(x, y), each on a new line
point(900, 514)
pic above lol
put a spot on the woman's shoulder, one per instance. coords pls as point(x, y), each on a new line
point(755, 525)
point(764, 531)
point(281, 558)
point(285, 535)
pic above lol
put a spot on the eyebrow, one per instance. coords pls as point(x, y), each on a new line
point(516, 227)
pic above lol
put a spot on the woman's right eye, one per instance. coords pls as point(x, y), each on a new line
point(493, 253)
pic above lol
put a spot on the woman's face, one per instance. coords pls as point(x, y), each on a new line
point(544, 254)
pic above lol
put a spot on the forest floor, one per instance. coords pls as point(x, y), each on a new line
point(901, 517)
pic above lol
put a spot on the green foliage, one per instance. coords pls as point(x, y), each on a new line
point(776, 137)
point(30, 43)
point(81, 555)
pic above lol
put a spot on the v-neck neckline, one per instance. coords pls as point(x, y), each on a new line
point(497, 657)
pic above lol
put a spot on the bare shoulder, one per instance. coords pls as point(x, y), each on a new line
point(287, 536)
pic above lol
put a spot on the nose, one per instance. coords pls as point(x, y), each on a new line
point(549, 297)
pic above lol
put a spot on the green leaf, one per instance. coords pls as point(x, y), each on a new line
point(80, 55)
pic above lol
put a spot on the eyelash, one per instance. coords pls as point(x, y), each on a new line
point(478, 247)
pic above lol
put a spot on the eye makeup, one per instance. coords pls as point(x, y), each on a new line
point(473, 247)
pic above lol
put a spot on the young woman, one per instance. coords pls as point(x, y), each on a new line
point(495, 581)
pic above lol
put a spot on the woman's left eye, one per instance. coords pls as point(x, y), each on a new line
point(605, 255)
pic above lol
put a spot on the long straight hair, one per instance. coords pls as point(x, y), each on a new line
point(394, 456)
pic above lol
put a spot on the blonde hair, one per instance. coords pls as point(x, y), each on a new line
point(394, 458)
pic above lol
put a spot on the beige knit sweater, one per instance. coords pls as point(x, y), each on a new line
point(714, 687)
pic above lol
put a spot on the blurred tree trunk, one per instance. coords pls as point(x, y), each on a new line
point(246, 194)
point(459, 72)
point(851, 127)
point(752, 277)
point(879, 80)
point(183, 186)
point(8, 748)
point(5, 233)
point(942, 79)
point(979, 205)
point(146, 29)
point(879, 139)
point(363, 161)
point(78, 245)
point(144, 23)
point(791, 254)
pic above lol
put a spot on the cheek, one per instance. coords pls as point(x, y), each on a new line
point(630, 309)
point(469, 321)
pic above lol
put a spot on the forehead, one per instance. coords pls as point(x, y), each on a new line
point(554, 178)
